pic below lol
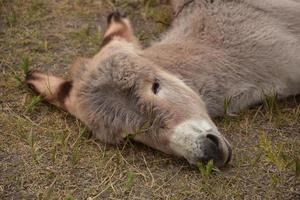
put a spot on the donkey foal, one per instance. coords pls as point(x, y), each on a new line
point(165, 95)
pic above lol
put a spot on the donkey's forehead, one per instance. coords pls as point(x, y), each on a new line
point(120, 59)
point(121, 69)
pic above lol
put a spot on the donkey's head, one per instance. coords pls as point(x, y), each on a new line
point(123, 93)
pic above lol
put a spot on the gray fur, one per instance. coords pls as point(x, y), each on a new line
point(231, 49)
point(215, 50)
point(241, 50)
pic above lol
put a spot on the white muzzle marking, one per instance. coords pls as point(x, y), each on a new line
point(185, 139)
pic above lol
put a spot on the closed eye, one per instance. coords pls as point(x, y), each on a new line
point(155, 87)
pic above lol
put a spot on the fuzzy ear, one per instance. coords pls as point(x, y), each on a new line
point(118, 26)
point(53, 89)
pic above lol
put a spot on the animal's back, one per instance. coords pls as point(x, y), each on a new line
point(237, 46)
point(246, 26)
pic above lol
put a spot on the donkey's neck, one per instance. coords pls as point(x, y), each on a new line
point(195, 64)
point(200, 67)
point(185, 59)
point(214, 75)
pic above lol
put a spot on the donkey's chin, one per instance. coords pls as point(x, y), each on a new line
point(200, 141)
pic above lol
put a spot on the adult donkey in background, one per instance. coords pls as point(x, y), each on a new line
point(165, 95)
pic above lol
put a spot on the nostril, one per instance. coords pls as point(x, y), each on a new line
point(229, 157)
point(213, 138)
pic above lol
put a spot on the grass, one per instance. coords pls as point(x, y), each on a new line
point(270, 104)
point(11, 19)
point(274, 153)
point(206, 170)
point(36, 100)
point(25, 69)
point(226, 106)
point(47, 154)
point(130, 180)
point(297, 167)
point(31, 141)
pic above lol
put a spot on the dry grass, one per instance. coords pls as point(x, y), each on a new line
point(47, 154)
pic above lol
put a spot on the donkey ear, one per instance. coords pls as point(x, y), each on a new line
point(118, 25)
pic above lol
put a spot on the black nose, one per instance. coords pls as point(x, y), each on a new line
point(213, 138)
point(210, 150)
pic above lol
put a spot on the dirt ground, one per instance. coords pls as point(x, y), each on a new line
point(47, 154)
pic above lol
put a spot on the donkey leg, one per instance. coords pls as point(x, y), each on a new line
point(53, 89)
